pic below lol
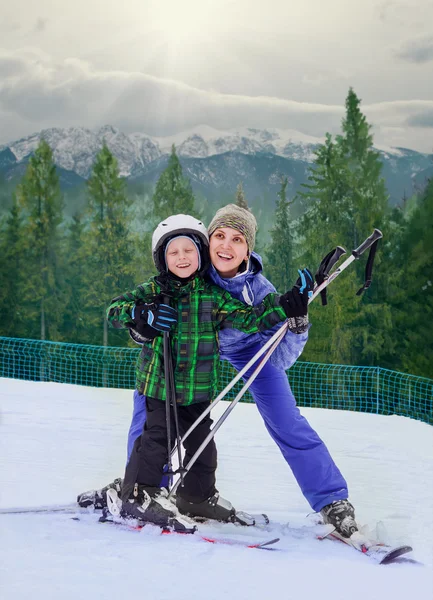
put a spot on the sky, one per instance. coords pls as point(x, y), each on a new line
point(164, 67)
point(57, 440)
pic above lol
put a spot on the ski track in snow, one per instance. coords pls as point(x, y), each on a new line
point(57, 440)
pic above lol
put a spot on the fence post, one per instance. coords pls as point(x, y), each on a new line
point(377, 390)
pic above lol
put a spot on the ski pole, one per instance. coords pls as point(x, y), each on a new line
point(278, 336)
point(327, 264)
point(272, 344)
point(168, 402)
point(228, 410)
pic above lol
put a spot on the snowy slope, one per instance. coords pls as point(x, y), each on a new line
point(57, 440)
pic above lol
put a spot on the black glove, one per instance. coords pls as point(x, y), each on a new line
point(151, 319)
point(295, 302)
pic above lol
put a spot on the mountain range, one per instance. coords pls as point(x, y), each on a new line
point(214, 161)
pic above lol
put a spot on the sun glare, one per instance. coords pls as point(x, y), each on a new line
point(189, 21)
point(183, 39)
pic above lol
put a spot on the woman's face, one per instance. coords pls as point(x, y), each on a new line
point(228, 248)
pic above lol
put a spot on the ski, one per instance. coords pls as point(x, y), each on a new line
point(378, 552)
point(134, 526)
point(241, 518)
point(49, 508)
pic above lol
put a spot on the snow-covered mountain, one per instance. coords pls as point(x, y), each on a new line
point(211, 157)
point(204, 141)
point(75, 147)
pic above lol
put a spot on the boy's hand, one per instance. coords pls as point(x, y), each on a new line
point(150, 319)
point(295, 302)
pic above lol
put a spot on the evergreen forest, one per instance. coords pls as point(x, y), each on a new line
point(59, 271)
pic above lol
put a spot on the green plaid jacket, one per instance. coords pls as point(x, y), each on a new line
point(202, 309)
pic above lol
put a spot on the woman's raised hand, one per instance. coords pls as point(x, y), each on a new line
point(295, 302)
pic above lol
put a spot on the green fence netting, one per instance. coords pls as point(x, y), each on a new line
point(365, 389)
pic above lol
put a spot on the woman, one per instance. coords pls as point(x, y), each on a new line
point(237, 269)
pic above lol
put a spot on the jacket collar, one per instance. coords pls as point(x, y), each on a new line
point(174, 287)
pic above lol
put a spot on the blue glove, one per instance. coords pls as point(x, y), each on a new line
point(150, 319)
point(295, 302)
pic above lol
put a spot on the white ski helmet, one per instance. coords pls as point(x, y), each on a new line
point(180, 225)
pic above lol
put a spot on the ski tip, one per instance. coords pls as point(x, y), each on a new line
point(395, 553)
point(264, 544)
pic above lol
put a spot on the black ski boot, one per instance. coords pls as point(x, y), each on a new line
point(341, 515)
point(215, 507)
point(98, 498)
point(151, 505)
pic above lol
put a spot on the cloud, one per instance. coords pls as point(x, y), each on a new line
point(41, 24)
point(423, 119)
point(71, 92)
point(12, 66)
point(43, 93)
point(418, 51)
point(404, 15)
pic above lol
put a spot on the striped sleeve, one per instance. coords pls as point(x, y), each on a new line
point(234, 314)
point(119, 311)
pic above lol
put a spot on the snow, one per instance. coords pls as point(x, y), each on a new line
point(389, 150)
point(57, 440)
point(75, 148)
point(202, 141)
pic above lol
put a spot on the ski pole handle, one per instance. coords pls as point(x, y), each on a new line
point(376, 235)
point(330, 260)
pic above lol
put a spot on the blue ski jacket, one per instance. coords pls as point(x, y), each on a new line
point(251, 287)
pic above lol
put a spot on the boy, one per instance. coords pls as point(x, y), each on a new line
point(181, 301)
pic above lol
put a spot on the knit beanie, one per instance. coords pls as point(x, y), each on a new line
point(237, 218)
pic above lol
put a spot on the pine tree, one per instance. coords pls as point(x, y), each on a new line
point(411, 290)
point(108, 249)
point(279, 254)
point(39, 196)
point(13, 272)
point(327, 217)
point(240, 196)
point(368, 208)
point(345, 200)
point(173, 193)
point(75, 327)
point(368, 197)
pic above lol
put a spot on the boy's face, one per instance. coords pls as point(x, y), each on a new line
point(182, 257)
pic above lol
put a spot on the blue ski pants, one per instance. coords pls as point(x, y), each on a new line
point(306, 454)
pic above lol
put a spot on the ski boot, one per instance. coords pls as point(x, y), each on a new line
point(150, 505)
point(215, 507)
point(98, 498)
point(341, 515)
